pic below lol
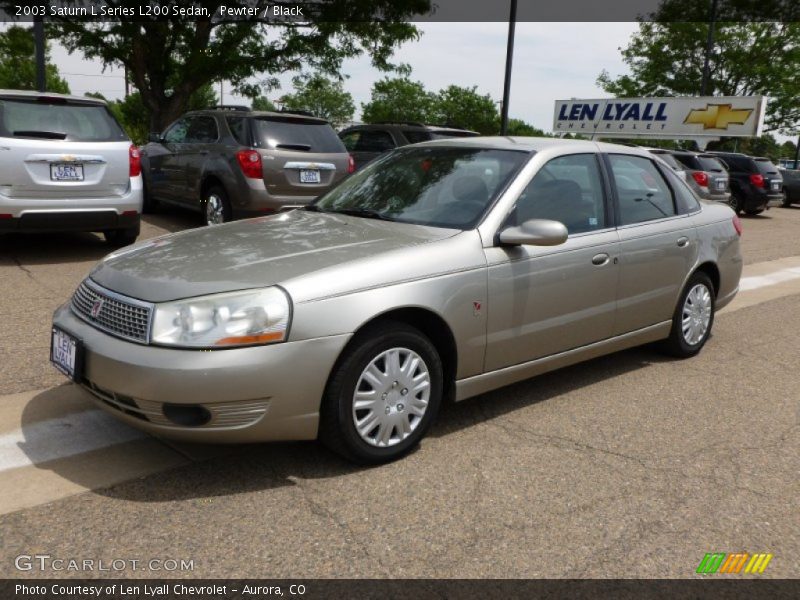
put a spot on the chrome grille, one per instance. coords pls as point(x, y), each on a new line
point(124, 317)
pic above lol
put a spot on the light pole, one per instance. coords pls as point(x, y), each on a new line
point(712, 20)
point(38, 42)
point(512, 20)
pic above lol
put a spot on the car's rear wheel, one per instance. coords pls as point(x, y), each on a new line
point(383, 394)
point(786, 202)
point(216, 208)
point(693, 318)
point(121, 237)
point(149, 203)
point(735, 202)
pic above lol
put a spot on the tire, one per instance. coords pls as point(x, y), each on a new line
point(149, 204)
point(216, 208)
point(786, 202)
point(755, 212)
point(121, 237)
point(395, 405)
point(698, 292)
point(736, 203)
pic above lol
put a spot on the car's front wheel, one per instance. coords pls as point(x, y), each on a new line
point(383, 394)
point(693, 318)
point(217, 209)
point(736, 203)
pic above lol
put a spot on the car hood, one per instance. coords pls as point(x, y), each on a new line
point(252, 253)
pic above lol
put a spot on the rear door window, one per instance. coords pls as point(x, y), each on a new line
point(689, 161)
point(58, 119)
point(238, 127)
point(303, 135)
point(670, 160)
point(350, 140)
point(202, 130)
point(642, 192)
point(375, 141)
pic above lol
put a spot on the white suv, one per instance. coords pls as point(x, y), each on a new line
point(67, 165)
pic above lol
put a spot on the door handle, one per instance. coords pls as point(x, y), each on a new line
point(600, 259)
point(682, 241)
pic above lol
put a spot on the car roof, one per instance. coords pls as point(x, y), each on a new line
point(412, 125)
point(537, 144)
point(256, 113)
point(33, 94)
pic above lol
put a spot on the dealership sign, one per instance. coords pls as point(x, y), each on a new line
point(684, 117)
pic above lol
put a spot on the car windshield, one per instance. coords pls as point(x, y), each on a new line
point(58, 119)
point(438, 186)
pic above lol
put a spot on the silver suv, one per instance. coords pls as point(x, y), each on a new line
point(66, 165)
point(231, 162)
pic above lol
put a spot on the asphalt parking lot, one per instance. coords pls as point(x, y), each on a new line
point(631, 465)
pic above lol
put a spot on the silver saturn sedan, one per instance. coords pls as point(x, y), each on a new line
point(441, 271)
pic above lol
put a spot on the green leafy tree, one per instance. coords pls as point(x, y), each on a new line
point(399, 99)
point(749, 58)
point(18, 63)
point(168, 60)
point(322, 97)
point(520, 127)
point(465, 108)
point(263, 103)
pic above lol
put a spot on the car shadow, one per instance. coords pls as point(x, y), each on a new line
point(241, 469)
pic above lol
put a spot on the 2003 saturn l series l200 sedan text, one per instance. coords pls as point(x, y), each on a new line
point(442, 270)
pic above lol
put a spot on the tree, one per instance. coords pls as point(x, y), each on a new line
point(398, 99)
point(18, 64)
point(170, 58)
point(465, 108)
point(263, 103)
point(749, 58)
point(520, 127)
point(322, 97)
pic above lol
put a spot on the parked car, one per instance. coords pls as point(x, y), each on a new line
point(441, 271)
point(666, 156)
point(706, 175)
point(231, 162)
point(67, 165)
point(366, 142)
point(755, 182)
point(791, 187)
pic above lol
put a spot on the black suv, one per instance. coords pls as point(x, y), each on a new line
point(365, 142)
point(231, 162)
point(755, 182)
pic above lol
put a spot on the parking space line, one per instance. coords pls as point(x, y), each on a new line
point(757, 281)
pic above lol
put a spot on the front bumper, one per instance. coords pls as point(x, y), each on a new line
point(256, 394)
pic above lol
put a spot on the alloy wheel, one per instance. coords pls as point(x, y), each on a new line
point(215, 210)
point(696, 314)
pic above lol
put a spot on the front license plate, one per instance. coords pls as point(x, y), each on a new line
point(66, 172)
point(66, 353)
point(309, 176)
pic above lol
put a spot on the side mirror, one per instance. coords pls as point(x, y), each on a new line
point(155, 137)
point(535, 232)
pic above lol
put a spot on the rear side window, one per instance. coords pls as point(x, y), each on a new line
point(286, 133)
point(670, 160)
point(238, 127)
point(350, 140)
point(689, 160)
point(375, 141)
point(58, 120)
point(568, 189)
point(414, 136)
point(642, 191)
point(711, 164)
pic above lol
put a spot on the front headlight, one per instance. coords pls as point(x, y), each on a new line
point(245, 318)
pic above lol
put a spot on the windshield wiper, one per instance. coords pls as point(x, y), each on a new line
point(314, 208)
point(50, 135)
point(367, 213)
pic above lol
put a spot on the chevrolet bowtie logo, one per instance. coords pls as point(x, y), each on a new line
point(718, 116)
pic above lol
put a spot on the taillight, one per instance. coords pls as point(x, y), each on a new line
point(701, 177)
point(351, 164)
point(250, 162)
point(737, 225)
point(757, 180)
point(134, 162)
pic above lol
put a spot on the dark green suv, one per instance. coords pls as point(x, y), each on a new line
point(232, 162)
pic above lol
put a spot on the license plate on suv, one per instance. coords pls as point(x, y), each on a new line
point(66, 353)
point(309, 176)
point(66, 172)
point(776, 185)
point(721, 184)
